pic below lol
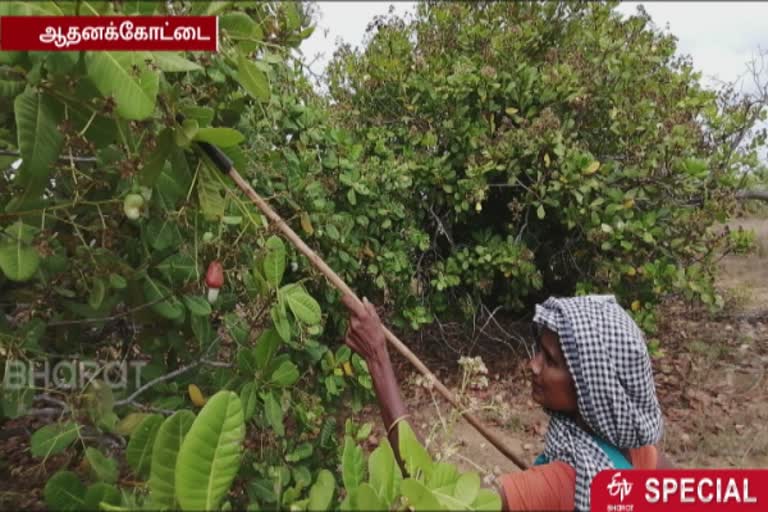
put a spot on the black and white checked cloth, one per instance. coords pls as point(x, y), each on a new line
point(608, 359)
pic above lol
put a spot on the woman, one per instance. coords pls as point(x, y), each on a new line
point(592, 374)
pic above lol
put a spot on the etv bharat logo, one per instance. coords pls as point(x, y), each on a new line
point(619, 488)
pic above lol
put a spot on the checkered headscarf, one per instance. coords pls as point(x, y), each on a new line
point(608, 359)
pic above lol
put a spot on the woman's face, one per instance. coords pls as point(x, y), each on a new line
point(553, 386)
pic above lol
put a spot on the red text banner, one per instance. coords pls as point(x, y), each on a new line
point(109, 33)
point(700, 490)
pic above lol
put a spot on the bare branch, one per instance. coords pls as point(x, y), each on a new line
point(761, 195)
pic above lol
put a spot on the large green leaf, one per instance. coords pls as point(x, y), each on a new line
point(222, 137)
point(52, 439)
point(467, 487)
point(39, 140)
point(274, 260)
point(487, 500)
point(284, 375)
point(164, 301)
point(321, 492)
point(104, 468)
point(252, 79)
point(303, 306)
point(10, 88)
point(415, 457)
point(64, 491)
point(114, 74)
point(274, 413)
point(385, 474)
point(101, 493)
point(443, 478)
point(352, 464)
point(367, 499)
point(171, 62)
point(266, 346)
point(138, 453)
point(238, 25)
point(211, 194)
point(155, 162)
point(419, 497)
point(164, 454)
point(29, 9)
point(198, 306)
point(209, 457)
point(18, 261)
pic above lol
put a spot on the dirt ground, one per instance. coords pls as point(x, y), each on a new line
point(711, 381)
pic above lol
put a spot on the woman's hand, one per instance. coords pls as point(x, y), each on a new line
point(366, 333)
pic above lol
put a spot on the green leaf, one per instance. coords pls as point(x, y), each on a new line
point(487, 500)
point(274, 413)
point(301, 452)
point(53, 439)
point(266, 346)
point(274, 261)
point(104, 468)
point(303, 306)
point(385, 474)
point(415, 457)
point(211, 194)
point(96, 296)
point(18, 262)
point(419, 497)
point(138, 453)
point(367, 499)
point(321, 492)
point(222, 137)
point(171, 62)
point(162, 233)
point(252, 79)
point(101, 493)
point(248, 398)
point(130, 423)
point(185, 133)
point(203, 115)
point(443, 478)
point(209, 457)
point(11, 88)
point(113, 74)
point(64, 491)
point(198, 306)
point(154, 164)
point(39, 140)
point(352, 464)
point(540, 213)
point(238, 25)
point(117, 282)
point(61, 63)
point(164, 302)
point(285, 374)
point(178, 268)
point(280, 322)
point(164, 454)
point(467, 487)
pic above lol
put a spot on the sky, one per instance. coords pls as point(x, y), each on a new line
point(721, 37)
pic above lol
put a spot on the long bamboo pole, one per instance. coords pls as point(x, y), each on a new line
point(225, 165)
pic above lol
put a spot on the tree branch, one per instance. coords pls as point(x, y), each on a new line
point(761, 195)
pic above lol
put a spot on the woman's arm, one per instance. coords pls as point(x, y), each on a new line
point(366, 337)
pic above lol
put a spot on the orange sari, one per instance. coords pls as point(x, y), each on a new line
point(552, 486)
